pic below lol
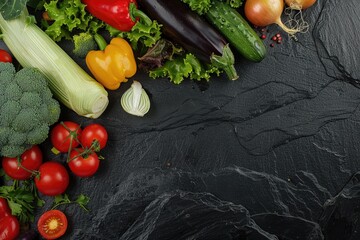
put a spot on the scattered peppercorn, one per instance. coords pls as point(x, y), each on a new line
point(263, 36)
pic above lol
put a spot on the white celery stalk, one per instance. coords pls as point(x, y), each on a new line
point(70, 84)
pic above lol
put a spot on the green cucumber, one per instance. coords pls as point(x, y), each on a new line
point(236, 30)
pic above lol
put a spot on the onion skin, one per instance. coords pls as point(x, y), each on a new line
point(300, 4)
point(263, 12)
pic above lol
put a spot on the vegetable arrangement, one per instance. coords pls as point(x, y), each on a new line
point(33, 176)
point(178, 40)
point(70, 84)
point(27, 109)
point(192, 33)
point(237, 31)
point(267, 12)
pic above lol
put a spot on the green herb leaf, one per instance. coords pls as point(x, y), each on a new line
point(40, 202)
point(81, 200)
point(16, 208)
point(20, 200)
point(61, 199)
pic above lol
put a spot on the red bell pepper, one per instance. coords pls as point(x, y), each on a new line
point(120, 14)
point(9, 225)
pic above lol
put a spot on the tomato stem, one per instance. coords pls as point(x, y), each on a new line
point(18, 159)
point(85, 154)
point(72, 135)
point(95, 147)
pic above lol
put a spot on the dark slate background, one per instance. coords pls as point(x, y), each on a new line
point(273, 155)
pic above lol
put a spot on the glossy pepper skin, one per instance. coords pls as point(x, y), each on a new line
point(113, 64)
point(116, 13)
point(9, 225)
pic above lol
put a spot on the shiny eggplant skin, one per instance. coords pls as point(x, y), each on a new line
point(185, 27)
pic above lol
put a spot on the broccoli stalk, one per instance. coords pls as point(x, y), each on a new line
point(27, 109)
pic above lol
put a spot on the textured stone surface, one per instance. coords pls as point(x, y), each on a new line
point(264, 157)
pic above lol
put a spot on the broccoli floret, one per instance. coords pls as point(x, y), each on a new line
point(37, 134)
point(9, 149)
point(30, 99)
point(4, 133)
point(27, 109)
point(31, 80)
point(13, 91)
point(7, 72)
point(26, 119)
point(8, 112)
point(17, 139)
point(83, 43)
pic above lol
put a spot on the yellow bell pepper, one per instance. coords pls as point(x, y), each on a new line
point(113, 63)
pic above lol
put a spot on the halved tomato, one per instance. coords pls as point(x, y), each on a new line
point(52, 224)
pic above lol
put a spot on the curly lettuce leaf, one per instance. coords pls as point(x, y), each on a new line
point(202, 6)
point(11, 9)
point(68, 16)
point(185, 67)
point(140, 34)
point(199, 6)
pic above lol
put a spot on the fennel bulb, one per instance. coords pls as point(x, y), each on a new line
point(69, 83)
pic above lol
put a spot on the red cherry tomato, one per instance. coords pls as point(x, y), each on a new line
point(83, 166)
point(53, 179)
point(5, 56)
point(4, 208)
point(9, 227)
point(52, 224)
point(65, 135)
point(94, 132)
point(30, 161)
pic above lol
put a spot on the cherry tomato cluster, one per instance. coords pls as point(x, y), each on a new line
point(81, 144)
point(51, 177)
